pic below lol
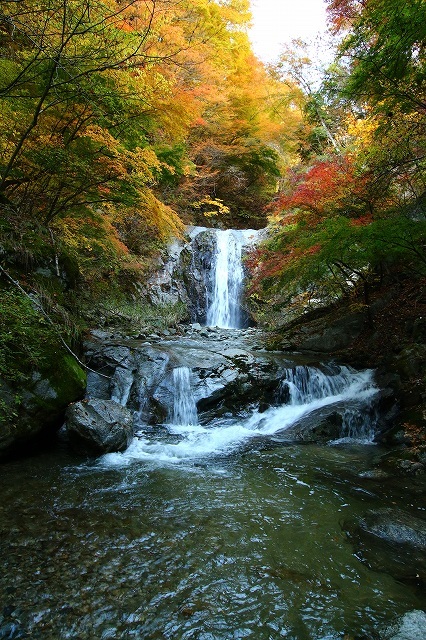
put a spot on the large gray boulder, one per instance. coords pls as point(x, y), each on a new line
point(97, 426)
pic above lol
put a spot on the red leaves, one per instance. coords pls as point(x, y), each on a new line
point(321, 188)
point(342, 12)
point(311, 251)
point(362, 221)
point(328, 188)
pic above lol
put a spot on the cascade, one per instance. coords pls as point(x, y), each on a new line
point(224, 304)
point(184, 408)
point(303, 385)
point(121, 384)
point(359, 425)
point(303, 391)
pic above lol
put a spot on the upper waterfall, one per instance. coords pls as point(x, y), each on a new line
point(226, 280)
point(204, 271)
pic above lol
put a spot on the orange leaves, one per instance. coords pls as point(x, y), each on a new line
point(342, 12)
point(311, 251)
point(362, 221)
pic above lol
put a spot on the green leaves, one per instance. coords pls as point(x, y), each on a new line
point(387, 47)
point(23, 333)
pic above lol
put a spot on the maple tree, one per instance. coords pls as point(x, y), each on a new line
point(106, 108)
point(242, 139)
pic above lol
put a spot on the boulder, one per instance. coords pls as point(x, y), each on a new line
point(97, 426)
point(412, 626)
point(324, 334)
point(320, 426)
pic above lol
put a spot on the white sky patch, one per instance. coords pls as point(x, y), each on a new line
point(276, 22)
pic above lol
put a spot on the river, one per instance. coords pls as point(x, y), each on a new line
point(247, 545)
point(207, 527)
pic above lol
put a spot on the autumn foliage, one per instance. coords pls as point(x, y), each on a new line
point(353, 207)
point(123, 120)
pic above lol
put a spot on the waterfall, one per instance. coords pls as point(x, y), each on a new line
point(359, 425)
point(224, 308)
point(307, 385)
point(184, 407)
point(303, 392)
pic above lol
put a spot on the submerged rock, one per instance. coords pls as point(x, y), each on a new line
point(321, 426)
point(97, 426)
point(412, 626)
point(392, 541)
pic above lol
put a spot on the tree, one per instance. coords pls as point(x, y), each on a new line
point(386, 46)
point(243, 138)
point(358, 207)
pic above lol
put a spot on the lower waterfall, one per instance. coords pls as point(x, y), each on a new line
point(303, 391)
point(231, 512)
point(184, 410)
point(305, 385)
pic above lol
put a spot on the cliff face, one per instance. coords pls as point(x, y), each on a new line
point(186, 272)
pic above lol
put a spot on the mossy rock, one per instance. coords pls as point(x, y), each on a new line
point(35, 405)
point(38, 377)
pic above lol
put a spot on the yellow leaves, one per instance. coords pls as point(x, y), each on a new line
point(217, 203)
point(102, 136)
point(89, 236)
point(142, 163)
point(361, 131)
point(166, 221)
point(136, 166)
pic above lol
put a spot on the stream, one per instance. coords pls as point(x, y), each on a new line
point(224, 519)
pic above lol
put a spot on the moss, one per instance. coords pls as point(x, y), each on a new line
point(60, 381)
point(70, 382)
point(38, 378)
point(133, 316)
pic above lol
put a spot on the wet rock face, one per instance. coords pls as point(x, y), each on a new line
point(184, 274)
point(224, 377)
point(392, 541)
point(97, 426)
point(229, 372)
point(43, 400)
point(198, 273)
